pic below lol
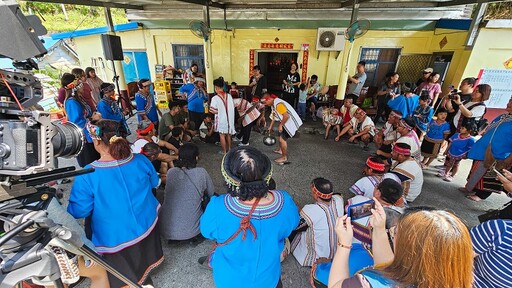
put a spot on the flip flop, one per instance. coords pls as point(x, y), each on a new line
point(278, 152)
point(474, 198)
point(283, 163)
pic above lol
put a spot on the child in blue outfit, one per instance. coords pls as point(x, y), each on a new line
point(437, 131)
point(460, 144)
point(423, 115)
point(303, 95)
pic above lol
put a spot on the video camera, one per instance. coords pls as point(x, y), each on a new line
point(32, 246)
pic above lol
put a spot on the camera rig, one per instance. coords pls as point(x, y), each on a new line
point(32, 246)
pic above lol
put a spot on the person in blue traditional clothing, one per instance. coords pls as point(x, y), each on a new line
point(108, 106)
point(196, 95)
point(78, 112)
point(146, 106)
point(123, 210)
point(422, 115)
point(249, 224)
point(493, 149)
point(406, 102)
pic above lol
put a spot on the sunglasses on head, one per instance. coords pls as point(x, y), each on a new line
point(426, 72)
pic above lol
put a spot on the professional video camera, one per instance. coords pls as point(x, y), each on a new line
point(32, 246)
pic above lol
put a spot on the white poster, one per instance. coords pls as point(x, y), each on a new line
point(500, 81)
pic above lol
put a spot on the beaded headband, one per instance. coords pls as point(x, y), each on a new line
point(109, 88)
point(75, 85)
point(232, 182)
point(320, 194)
point(405, 124)
point(374, 165)
point(361, 111)
point(403, 151)
point(393, 113)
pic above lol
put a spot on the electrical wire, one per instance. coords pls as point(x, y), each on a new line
point(10, 90)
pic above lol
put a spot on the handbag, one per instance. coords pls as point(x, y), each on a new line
point(504, 212)
point(205, 198)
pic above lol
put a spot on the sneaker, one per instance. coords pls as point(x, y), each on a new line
point(236, 139)
point(448, 178)
point(441, 174)
point(243, 145)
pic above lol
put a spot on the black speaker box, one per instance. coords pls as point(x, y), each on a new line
point(112, 47)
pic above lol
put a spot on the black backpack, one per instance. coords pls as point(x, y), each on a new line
point(477, 125)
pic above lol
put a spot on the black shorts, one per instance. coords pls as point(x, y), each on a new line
point(284, 135)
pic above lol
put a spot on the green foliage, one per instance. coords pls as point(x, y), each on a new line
point(53, 73)
point(79, 17)
point(500, 10)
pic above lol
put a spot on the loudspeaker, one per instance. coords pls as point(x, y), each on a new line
point(112, 47)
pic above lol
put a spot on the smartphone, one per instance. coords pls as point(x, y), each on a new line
point(360, 210)
point(497, 172)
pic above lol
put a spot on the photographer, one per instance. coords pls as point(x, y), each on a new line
point(475, 108)
point(466, 89)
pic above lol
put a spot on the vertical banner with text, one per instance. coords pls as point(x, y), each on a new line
point(251, 62)
point(305, 57)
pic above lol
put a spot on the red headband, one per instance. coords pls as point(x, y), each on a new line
point(147, 130)
point(320, 194)
point(374, 165)
point(255, 99)
point(403, 151)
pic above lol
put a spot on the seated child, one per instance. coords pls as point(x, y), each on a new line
point(303, 96)
point(206, 131)
point(234, 90)
point(176, 138)
point(437, 131)
point(460, 144)
point(332, 120)
point(315, 237)
point(423, 115)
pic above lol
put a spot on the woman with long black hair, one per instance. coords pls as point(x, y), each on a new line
point(78, 111)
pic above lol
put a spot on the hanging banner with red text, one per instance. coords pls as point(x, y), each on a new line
point(276, 45)
point(251, 62)
point(305, 57)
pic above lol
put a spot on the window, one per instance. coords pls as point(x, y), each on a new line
point(186, 55)
point(379, 62)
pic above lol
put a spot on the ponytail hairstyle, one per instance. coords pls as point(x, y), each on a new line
point(112, 134)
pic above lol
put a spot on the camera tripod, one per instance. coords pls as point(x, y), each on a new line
point(23, 248)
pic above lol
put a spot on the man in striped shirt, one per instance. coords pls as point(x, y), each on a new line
point(492, 243)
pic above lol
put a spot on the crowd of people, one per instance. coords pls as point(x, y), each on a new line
point(391, 245)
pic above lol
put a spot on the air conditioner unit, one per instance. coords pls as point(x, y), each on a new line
point(330, 39)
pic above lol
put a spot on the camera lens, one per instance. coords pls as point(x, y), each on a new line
point(68, 141)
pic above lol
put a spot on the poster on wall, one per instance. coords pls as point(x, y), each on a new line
point(500, 80)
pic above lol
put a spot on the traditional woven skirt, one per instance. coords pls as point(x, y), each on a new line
point(429, 148)
point(482, 179)
point(137, 261)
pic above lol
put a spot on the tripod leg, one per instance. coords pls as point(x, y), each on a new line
point(96, 258)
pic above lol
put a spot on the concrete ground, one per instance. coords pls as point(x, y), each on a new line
point(311, 156)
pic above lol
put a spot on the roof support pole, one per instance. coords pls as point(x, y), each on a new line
point(347, 52)
point(208, 50)
point(475, 23)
